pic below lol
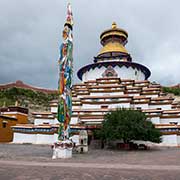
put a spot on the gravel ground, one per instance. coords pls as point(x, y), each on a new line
point(160, 156)
point(34, 162)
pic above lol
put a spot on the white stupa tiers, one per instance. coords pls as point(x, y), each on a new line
point(112, 81)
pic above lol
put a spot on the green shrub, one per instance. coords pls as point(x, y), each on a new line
point(175, 91)
point(11, 95)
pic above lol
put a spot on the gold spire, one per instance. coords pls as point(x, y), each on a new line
point(114, 25)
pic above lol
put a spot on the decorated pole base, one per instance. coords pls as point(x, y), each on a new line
point(62, 149)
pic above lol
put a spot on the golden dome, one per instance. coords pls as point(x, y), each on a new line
point(113, 40)
point(114, 31)
point(113, 47)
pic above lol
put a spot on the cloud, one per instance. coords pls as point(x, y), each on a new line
point(30, 33)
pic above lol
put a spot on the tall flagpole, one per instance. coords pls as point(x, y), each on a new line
point(65, 77)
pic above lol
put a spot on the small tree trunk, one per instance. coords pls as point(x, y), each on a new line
point(102, 144)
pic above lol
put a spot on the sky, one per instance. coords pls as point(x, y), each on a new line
point(30, 35)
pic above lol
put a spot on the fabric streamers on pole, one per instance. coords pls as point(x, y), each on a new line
point(65, 77)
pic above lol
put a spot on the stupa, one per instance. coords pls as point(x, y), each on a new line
point(113, 59)
point(113, 80)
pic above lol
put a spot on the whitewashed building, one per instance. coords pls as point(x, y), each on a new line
point(112, 81)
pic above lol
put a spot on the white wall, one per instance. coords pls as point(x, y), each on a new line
point(169, 140)
point(55, 137)
point(76, 107)
point(44, 138)
point(56, 121)
point(120, 105)
point(54, 109)
point(163, 107)
point(74, 120)
point(24, 138)
point(93, 74)
point(178, 140)
point(105, 93)
point(134, 94)
point(114, 105)
point(75, 139)
point(129, 73)
point(168, 120)
point(155, 120)
point(142, 106)
point(123, 72)
point(92, 105)
point(41, 121)
point(34, 138)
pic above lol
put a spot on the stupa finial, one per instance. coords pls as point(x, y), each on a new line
point(114, 25)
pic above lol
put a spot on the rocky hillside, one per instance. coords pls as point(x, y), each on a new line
point(31, 99)
point(174, 92)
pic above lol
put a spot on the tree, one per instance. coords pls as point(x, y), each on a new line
point(128, 125)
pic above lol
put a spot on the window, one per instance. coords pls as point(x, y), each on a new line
point(4, 124)
point(82, 141)
point(105, 106)
point(109, 74)
point(174, 123)
point(45, 122)
point(95, 100)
